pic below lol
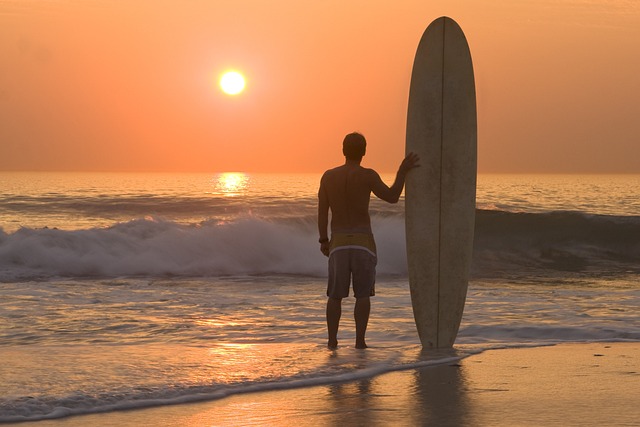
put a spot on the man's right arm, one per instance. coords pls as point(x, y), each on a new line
point(392, 194)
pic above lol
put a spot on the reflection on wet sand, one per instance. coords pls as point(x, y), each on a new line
point(434, 396)
point(441, 396)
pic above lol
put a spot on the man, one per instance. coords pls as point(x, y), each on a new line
point(346, 190)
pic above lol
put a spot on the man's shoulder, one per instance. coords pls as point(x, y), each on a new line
point(333, 171)
point(342, 170)
point(368, 173)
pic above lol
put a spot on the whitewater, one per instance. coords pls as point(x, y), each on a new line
point(121, 291)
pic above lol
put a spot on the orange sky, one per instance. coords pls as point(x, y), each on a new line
point(99, 85)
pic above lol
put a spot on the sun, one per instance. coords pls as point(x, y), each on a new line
point(232, 83)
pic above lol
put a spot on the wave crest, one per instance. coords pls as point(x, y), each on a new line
point(505, 243)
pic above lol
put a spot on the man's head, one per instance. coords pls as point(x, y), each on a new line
point(354, 146)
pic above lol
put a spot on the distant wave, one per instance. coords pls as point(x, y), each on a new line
point(167, 206)
point(556, 241)
point(506, 243)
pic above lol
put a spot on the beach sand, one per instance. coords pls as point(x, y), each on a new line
point(596, 384)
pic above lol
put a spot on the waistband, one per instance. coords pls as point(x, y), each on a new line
point(363, 241)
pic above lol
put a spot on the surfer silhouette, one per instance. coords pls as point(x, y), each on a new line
point(346, 191)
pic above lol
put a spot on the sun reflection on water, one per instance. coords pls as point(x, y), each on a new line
point(249, 362)
point(231, 183)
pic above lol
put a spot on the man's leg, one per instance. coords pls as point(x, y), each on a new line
point(334, 311)
point(361, 315)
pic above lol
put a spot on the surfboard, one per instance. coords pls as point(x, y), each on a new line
point(440, 194)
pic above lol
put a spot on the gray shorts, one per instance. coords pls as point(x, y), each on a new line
point(348, 264)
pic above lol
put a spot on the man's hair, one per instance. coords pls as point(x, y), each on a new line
point(354, 146)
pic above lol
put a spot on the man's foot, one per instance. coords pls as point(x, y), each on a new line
point(361, 345)
point(332, 344)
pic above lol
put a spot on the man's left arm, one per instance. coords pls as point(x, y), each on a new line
point(323, 219)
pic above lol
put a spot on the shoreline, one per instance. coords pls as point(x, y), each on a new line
point(564, 384)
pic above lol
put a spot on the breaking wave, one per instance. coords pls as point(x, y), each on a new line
point(505, 243)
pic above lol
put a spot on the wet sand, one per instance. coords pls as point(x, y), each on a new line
point(595, 384)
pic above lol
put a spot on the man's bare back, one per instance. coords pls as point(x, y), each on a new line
point(346, 191)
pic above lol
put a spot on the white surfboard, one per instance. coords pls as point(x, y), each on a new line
point(440, 194)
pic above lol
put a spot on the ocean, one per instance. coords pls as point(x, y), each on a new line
point(121, 291)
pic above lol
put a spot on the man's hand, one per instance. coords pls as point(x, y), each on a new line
point(409, 162)
point(324, 248)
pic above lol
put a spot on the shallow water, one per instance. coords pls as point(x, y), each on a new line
point(85, 346)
